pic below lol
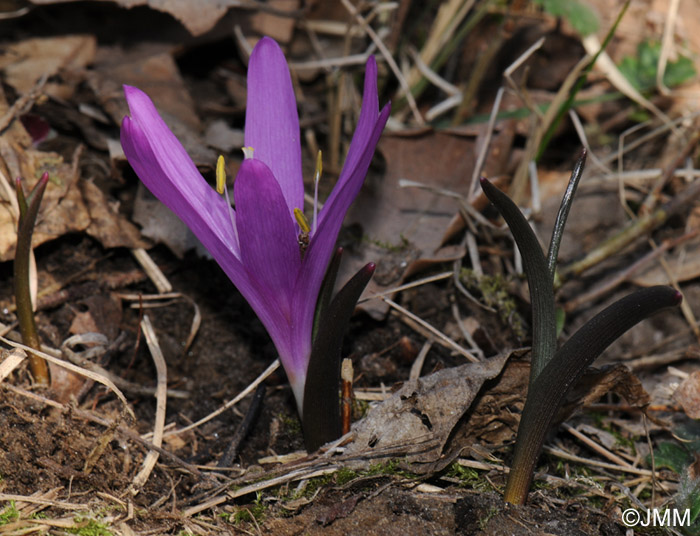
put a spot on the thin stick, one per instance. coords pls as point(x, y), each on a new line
point(269, 370)
point(631, 232)
point(326, 63)
point(152, 270)
point(613, 282)
point(244, 428)
point(595, 446)
point(73, 368)
point(389, 59)
point(436, 332)
point(161, 400)
point(43, 502)
point(346, 377)
point(486, 143)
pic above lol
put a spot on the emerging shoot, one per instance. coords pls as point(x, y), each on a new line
point(28, 210)
point(552, 372)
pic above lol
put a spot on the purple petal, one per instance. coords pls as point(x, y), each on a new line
point(272, 122)
point(269, 247)
point(323, 241)
point(369, 129)
point(164, 167)
point(153, 151)
point(369, 114)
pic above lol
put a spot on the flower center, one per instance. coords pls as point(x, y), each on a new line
point(303, 237)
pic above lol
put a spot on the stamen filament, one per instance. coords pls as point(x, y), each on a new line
point(317, 179)
point(222, 188)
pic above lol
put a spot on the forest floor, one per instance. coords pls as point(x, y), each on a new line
point(79, 458)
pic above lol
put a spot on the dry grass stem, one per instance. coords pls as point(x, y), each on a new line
point(624, 468)
point(440, 336)
point(540, 128)
point(269, 370)
point(449, 16)
point(161, 400)
point(152, 270)
point(418, 362)
point(606, 65)
point(388, 58)
point(597, 447)
point(73, 368)
point(666, 44)
point(11, 360)
point(413, 284)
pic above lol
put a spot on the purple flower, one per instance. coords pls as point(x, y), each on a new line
point(257, 244)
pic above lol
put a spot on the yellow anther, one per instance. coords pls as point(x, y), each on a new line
point(220, 175)
point(247, 152)
point(319, 167)
point(301, 220)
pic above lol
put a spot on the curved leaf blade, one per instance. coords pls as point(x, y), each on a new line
point(564, 370)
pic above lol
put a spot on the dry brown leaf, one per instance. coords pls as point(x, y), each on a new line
point(25, 62)
point(106, 224)
point(62, 209)
point(417, 420)
point(688, 395)
point(159, 76)
point(102, 314)
point(275, 26)
point(403, 225)
point(596, 383)
point(160, 224)
point(495, 415)
point(69, 205)
point(683, 267)
point(198, 17)
point(403, 229)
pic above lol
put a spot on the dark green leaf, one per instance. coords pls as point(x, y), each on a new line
point(641, 70)
point(321, 413)
point(326, 292)
point(547, 393)
point(671, 455)
point(577, 13)
point(544, 323)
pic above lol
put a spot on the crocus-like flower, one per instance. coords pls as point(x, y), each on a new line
point(258, 243)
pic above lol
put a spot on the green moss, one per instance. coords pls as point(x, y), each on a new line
point(468, 478)
point(359, 409)
point(389, 468)
point(494, 294)
point(291, 424)
point(9, 514)
point(248, 514)
point(89, 527)
point(483, 523)
point(343, 476)
point(392, 248)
